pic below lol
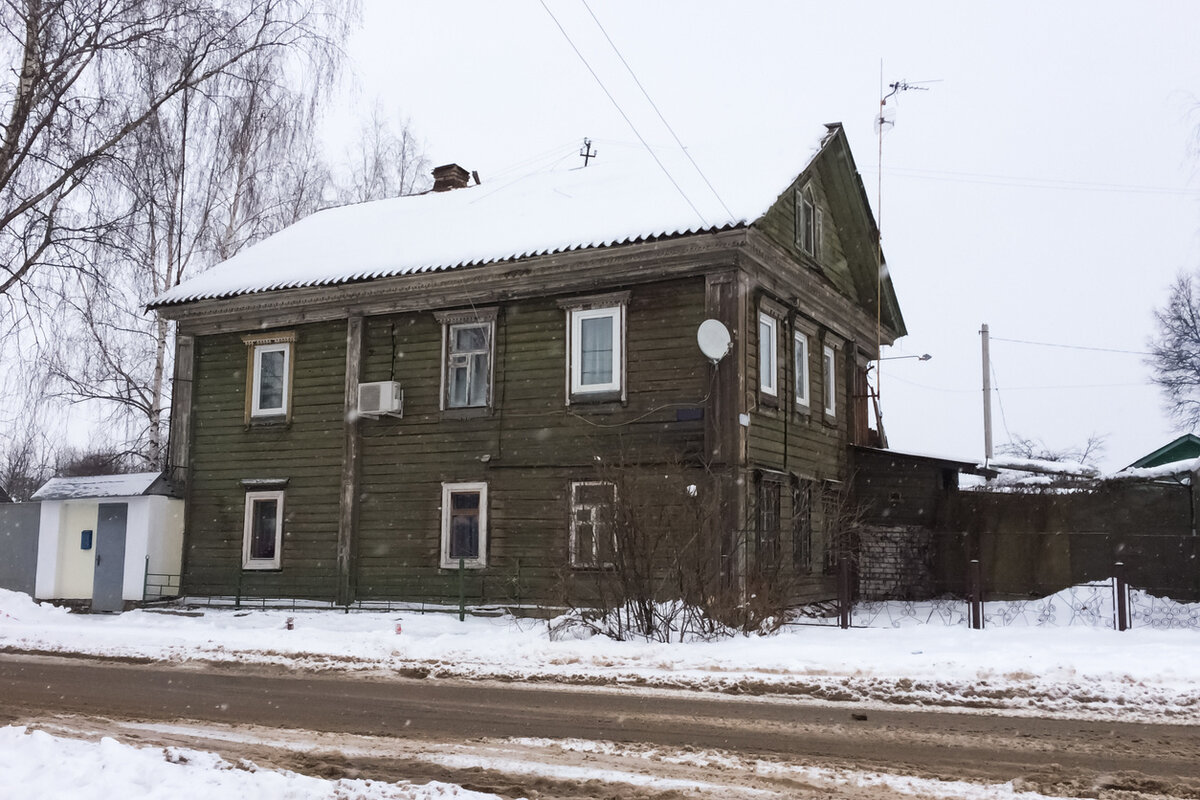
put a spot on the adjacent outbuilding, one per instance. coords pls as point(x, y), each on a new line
point(109, 539)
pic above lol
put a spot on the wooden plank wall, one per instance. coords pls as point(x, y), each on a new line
point(527, 449)
point(225, 451)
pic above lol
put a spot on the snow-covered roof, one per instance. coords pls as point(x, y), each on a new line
point(1172, 469)
point(623, 196)
point(132, 485)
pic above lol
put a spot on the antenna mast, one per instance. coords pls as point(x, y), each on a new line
point(883, 122)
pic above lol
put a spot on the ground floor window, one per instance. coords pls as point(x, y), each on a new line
point(464, 525)
point(767, 520)
point(262, 535)
point(802, 529)
point(592, 536)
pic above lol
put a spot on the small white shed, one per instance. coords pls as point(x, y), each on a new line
point(109, 539)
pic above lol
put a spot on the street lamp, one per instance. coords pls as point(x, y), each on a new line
point(923, 357)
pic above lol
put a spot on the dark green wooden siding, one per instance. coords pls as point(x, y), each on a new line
point(527, 448)
point(226, 451)
point(780, 224)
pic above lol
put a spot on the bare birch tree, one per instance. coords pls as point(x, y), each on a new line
point(212, 170)
point(383, 162)
point(1175, 351)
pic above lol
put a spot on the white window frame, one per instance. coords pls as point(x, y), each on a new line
point(829, 362)
point(256, 346)
point(248, 530)
point(257, 409)
point(575, 349)
point(801, 368)
point(449, 489)
point(572, 556)
point(768, 374)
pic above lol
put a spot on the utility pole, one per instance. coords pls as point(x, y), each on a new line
point(987, 398)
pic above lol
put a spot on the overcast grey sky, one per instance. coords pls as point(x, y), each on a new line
point(1045, 185)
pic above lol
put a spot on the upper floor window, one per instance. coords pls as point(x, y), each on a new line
point(800, 369)
point(596, 347)
point(262, 533)
point(592, 538)
point(464, 525)
point(468, 343)
point(269, 369)
point(830, 382)
point(808, 222)
point(768, 354)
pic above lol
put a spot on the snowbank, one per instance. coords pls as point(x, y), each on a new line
point(36, 764)
point(1050, 668)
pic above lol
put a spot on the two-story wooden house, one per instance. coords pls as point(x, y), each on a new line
point(385, 393)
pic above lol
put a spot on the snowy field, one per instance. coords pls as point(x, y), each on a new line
point(1038, 670)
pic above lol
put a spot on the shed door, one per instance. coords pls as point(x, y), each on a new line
point(19, 546)
point(110, 558)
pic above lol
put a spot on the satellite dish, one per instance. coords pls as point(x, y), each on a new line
point(714, 340)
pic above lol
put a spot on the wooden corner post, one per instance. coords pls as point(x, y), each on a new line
point(351, 452)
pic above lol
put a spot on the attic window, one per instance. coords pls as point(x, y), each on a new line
point(809, 219)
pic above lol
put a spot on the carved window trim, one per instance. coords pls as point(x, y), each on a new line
point(257, 346)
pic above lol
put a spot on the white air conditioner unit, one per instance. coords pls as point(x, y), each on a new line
point(379, 398)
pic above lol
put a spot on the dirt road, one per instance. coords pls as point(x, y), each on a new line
point(551, 742)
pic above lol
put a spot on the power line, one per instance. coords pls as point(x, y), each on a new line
point(975, 390)
point(1033, 183)
point(621, 111)
point(1000, 402)
point(653, 105)
point(1073, 346)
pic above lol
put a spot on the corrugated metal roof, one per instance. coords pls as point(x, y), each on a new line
point(623, 197)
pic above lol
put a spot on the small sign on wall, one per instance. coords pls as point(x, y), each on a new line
point(85, 540)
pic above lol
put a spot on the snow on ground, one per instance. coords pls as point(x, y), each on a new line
point(52, 767)
point(33, 763)
point(1049, 669)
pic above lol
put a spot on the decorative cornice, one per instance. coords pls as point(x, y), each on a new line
point(594, 301)
point(466, 315)
point(278, 337)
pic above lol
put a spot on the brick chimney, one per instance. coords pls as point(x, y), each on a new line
point(449, 176)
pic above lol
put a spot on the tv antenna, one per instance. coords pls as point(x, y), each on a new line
point(884, 120)
point(586, 152)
